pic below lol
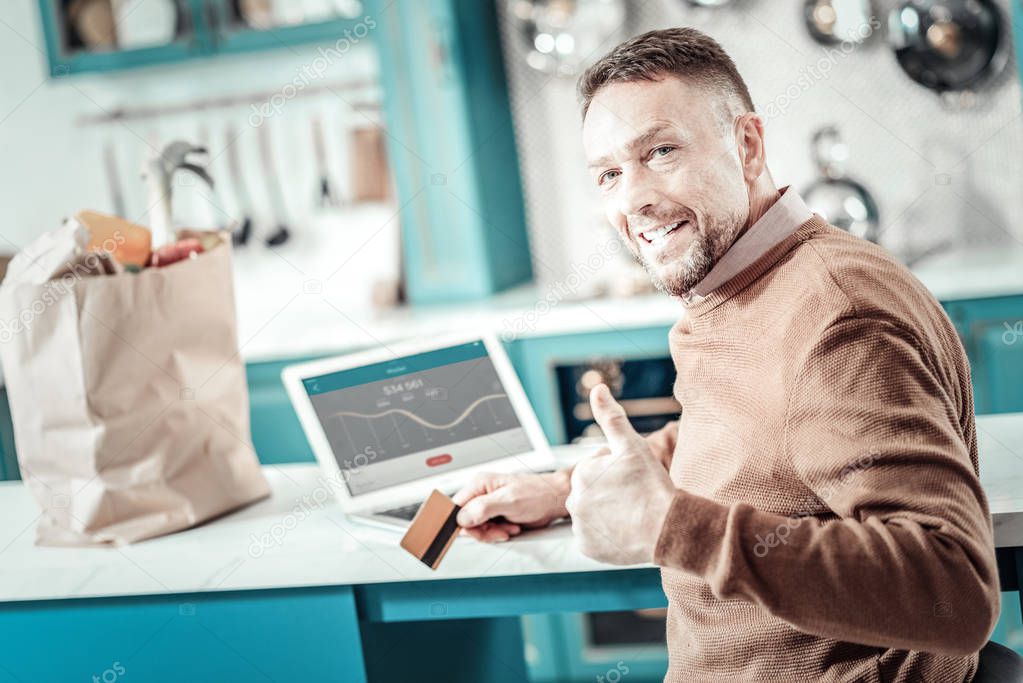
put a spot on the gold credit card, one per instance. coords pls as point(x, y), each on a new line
point(433, 530)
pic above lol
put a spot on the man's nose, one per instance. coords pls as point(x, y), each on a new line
point(638, 193)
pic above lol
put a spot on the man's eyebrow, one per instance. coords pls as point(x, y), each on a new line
point(640, 140)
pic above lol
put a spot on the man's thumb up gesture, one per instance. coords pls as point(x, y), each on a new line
point(619, 499)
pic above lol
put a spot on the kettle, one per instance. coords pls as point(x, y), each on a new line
point(842, 201)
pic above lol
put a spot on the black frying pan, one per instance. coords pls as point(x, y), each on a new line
point(949, 45)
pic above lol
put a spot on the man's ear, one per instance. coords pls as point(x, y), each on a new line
point(749, 137)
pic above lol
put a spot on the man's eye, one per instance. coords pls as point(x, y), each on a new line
point(663, 150)
point(607, 176)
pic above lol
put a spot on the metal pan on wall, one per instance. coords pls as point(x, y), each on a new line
point(842, 201)
point(950, 46)
point(830, 22)
point(559, 36)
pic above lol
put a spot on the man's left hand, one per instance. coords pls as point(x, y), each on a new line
point(619, 499)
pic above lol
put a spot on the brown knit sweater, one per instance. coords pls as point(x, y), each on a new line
point(830, 524)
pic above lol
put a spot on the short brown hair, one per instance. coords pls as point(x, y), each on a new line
point(684, 52)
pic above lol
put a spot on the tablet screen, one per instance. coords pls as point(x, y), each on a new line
point(416, 416)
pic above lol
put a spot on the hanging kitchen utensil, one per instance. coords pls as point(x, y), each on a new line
point(842, 201)
point(830, 22)
point(217, 215)
point(327, 198)
point(949, 45)
point(113, 178)
point(159, 176)
point(560, 36)
point(281, 234)
point(370, 179)
point(240, 236)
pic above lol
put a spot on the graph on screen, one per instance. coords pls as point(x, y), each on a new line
point(421, 421)
point(416, 404)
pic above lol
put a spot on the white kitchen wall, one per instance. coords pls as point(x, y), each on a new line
point(938, 174)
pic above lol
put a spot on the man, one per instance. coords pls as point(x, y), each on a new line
point(816, 509)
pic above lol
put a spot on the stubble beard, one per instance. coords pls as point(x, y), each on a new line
point(689, 269)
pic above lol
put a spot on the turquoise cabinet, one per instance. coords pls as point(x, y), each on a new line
point(8, 459)
point(1017, 31)
point(276, 431)
point(451, 148)
point(1009, 629)
point(560, 649)
point(999, 353)
point(307, 634)
point(231, 35)
point(534, 359)
point(66, 58)
point(204, 28)
point(992, 333)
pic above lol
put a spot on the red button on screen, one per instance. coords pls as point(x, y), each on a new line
point(438, 460)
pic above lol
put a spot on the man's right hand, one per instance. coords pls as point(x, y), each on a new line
point(524, 501)
point(531, 501)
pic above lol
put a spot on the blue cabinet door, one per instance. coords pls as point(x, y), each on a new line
point(233, 637)
point(276, 432)
point(992, 333)
point(451, 148)
point(208, 30)
point(229, 34)
point(534, 359)
point(8, 458)
point(65, 61)
point(998, 364)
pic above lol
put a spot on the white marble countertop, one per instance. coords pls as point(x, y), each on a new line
point(287, 540)
point(290, 541)
point(299, 318)
point(1000, 444)
point(973, 273)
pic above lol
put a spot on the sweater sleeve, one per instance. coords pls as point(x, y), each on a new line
point(906, 559)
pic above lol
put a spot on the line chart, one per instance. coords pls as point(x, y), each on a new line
point(413, 416)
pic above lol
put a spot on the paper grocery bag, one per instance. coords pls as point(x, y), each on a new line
point(128, 396)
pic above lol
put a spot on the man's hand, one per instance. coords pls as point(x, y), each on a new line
point(619, 499)
point(524, 501)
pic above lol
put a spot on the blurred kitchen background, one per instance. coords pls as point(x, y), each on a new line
point(393, 168)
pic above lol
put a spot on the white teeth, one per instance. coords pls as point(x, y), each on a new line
point(659, 233)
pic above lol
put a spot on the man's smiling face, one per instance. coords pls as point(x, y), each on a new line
point(665, 158)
